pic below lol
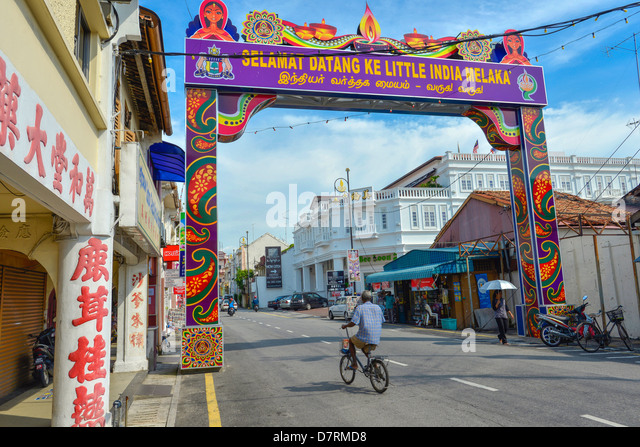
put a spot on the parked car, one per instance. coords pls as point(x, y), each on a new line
point(343, 308)
point(285, 302)
point(275, 303)
point(308, 300)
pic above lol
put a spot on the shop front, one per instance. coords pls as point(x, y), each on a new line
point(438, 282)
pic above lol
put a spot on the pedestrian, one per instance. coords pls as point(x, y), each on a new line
point(502, 314)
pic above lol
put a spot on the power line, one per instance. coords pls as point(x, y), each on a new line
point(430, 47)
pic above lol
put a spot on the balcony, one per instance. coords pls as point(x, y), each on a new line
point(412, 193)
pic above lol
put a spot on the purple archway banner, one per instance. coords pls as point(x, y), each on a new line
point(278, 69)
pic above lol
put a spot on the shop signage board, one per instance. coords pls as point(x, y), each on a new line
point(335, 281)
point(140, 212)
point(273, 267)
point(422, 284)
point(171, 253)
point(36, 153)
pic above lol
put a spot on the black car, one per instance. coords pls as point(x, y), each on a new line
point(307, 300)
point(274, 304)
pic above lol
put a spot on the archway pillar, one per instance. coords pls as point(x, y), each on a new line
point(202, 338)
point(520, 134)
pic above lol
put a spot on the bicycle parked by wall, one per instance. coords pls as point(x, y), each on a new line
point(591, 337)
point(375, 368)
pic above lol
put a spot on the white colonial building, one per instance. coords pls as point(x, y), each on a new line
point(408, 213)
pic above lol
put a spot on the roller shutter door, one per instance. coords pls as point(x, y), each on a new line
point(22, 302)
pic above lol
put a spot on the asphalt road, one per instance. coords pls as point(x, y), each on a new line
point(281, 370)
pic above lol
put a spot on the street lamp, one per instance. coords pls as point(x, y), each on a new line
point(342, 189)
point(244, 242)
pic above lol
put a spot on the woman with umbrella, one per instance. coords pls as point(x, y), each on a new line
point(501, 310)
point(500, 307)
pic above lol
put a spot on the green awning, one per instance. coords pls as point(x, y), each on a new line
point(423, 271)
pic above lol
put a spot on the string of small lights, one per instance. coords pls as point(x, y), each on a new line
point(547, 29)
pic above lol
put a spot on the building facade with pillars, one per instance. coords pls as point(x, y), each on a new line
point(408, 213)
point(62, 227)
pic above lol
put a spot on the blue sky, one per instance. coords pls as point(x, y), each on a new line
point(593, 93)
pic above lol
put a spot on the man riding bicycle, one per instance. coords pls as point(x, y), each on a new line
point(369, 318)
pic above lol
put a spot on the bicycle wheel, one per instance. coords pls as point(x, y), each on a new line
point(379, 376)
point(589, 337)
point(347, 374)
point(624, 336)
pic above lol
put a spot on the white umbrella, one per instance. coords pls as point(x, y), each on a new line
point(497, 284)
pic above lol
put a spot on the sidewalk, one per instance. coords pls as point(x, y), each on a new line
point(148, 394)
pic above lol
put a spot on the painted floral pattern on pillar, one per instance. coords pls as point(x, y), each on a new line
point(520, 133)
point(202, 316)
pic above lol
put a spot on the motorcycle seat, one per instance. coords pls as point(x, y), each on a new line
point(559, 317)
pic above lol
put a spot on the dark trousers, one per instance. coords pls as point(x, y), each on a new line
point(503, 325)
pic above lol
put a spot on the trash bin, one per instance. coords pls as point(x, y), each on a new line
point(450, 324)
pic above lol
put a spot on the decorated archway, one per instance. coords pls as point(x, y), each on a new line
point(288, 65)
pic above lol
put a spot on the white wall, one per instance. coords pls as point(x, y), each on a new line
point(616, 270)
point(288, 282)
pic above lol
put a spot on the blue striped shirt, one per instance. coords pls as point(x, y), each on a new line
point(369, 318)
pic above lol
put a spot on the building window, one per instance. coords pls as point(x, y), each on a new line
point(587, 186)
point(623, 185)
point(429, 216)
point(443, 214)
point(503, 181)
point(467, 182)
point(82, 43)
point(480, 181)
point(414, 216)
point(565, 183)
point(490, 181)
point(383, 219)
point(608, 180)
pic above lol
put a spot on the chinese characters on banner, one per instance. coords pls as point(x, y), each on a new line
point(137, 311)
point(91, 327)
point(32, 141)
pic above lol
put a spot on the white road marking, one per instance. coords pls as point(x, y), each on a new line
point(326, 342)
point(477, 385)
point(306, 336)
point(398, 363)
point(603, 421)
point(289, 331)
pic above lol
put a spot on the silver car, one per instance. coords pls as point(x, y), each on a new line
point(285, 303)
point(339, 309)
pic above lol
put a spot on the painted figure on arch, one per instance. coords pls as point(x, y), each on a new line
point(514, 46)
point(213, 17)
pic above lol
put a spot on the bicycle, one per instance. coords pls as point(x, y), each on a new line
point(375, 368)
point(591, 337)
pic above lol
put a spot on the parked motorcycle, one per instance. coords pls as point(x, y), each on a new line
point(556, 329)
point(43, 349)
